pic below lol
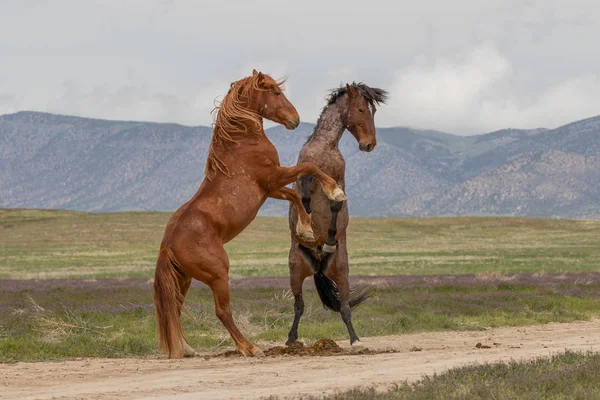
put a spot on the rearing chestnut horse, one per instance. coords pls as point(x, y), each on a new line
point(242, 171)
point(350, 107)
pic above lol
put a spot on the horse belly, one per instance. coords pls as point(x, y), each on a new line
point(320, 215)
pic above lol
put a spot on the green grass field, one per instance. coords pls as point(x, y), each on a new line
point(572, 375)
point(520, 272)
point(40, 244)
point(116, 319)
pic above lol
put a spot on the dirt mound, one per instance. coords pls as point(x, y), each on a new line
point(322, 347)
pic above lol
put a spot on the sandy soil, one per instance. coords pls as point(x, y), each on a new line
point(210, 377)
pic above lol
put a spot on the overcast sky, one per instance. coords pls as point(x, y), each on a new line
point(461, 66)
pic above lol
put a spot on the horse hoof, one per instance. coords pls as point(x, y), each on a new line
point(254, 352)
point(259, 354)
point(328, 248)
point(190, 353)
point(338, 195)
point(306, 236)
point(357, 345)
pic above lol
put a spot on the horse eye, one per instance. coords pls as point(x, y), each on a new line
point(277, 93)
point(361, 110)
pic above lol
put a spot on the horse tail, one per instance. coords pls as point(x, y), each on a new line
point(358, 295)
point(328, 291)
point(167, 303)
point(330, 296)
point(326, 288)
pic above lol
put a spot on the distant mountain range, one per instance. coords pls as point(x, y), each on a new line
point(55, 161)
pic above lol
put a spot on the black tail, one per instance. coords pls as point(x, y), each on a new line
point(330, 297)
point(327, 289)
point(328, 292)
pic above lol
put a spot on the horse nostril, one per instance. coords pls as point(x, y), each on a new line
point(369, 147)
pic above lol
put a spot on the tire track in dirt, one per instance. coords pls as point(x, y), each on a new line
point(239, 378)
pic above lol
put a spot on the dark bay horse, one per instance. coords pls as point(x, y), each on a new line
point(242, 171)
point(349, 107)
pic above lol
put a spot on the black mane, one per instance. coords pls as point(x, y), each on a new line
point(373, 96)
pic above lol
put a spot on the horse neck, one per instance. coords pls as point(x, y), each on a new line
point(331, 125)
point(221, 148)
point(252, 132)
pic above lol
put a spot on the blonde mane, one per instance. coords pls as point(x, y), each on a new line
point(235, 118)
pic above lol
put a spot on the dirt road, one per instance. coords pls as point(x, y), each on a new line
point(238, 378)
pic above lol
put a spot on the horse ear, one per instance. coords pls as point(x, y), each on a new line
point(261, 77)
point(351, 90)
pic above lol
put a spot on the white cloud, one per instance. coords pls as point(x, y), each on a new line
point(573, 99)
point(168, 60)
point(477, 93)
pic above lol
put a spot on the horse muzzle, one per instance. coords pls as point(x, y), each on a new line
point(292, 124)
point(366, 146)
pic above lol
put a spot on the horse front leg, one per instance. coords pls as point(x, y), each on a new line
point(304, 186)
point(331, 242)
point(287, 175)
point(303, 226)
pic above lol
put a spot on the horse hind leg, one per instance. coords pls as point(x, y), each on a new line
point(208, 262)
point(220, 288)
point(184, 286)
point(349, 299)
point(298, 272)
point(345, 310)
point(296, 284)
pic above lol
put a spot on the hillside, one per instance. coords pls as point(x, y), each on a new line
point(53, 161)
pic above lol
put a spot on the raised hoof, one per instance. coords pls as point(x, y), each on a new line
point(357, 344)
point(307, 236)
point(338, 195)
point(328, 248)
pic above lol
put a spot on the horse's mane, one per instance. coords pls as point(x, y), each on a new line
point(373, 96)
point(234, 118)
